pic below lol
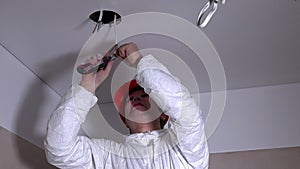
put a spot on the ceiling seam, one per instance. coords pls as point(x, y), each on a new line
point(29, 69)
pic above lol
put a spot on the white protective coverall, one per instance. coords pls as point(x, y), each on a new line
point(181, 145)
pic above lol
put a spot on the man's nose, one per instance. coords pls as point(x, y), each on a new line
point(136, 98)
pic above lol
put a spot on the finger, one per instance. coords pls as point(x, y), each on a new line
point(123, 50)
point(99, 57)
point(93, 60)
point(121, 53)
point(122, 46)
point(90, 60)
point(109, 66)
point(87, 60)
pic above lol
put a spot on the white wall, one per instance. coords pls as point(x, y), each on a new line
point(17, 153)
point(26, 102)
point(254, 118)
point(259, 118)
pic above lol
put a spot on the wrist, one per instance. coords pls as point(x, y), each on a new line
point(134, 59)
point(138, 61)
point(88, 87)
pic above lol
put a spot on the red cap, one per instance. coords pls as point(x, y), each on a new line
point(123, 92)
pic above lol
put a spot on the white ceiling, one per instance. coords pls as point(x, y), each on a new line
point(257, 41)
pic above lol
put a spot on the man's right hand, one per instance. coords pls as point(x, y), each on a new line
point(130, 52)
point(93, 80)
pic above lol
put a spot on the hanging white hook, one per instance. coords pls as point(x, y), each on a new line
point(201, 21)
point(100, 20)
point(115, 28)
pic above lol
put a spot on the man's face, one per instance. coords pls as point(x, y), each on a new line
point(138, 100)
point(139, 107)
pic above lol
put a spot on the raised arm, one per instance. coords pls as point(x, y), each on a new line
point(63, 147)
point(175, 100)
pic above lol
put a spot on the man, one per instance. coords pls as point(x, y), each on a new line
point(179, 145)
point(137, 110)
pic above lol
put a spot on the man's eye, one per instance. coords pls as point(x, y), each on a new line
point(144, 95)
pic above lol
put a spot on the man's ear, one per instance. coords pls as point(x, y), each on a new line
point(163, 116)
point(163, 119)
point(123, 120)
point(126, 124)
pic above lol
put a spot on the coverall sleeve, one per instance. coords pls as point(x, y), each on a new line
point(63, 147)
point(175, 101)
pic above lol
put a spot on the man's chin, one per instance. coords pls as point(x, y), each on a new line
point(135, 112)
point(140, 108)
point(142, 116)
